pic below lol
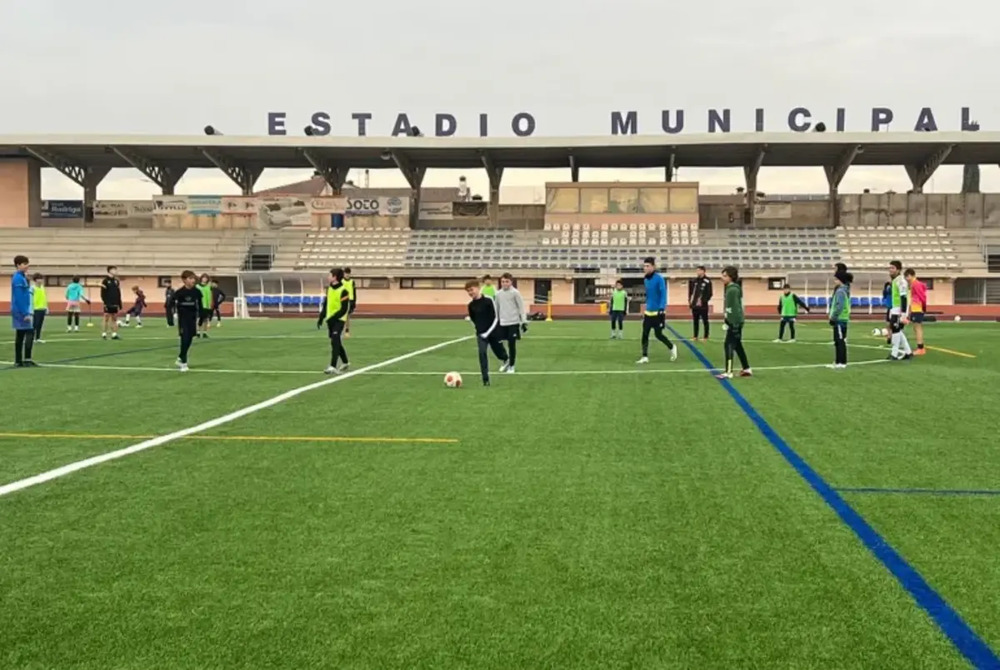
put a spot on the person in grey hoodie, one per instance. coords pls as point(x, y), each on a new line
point(513, 318)
point(840, 316)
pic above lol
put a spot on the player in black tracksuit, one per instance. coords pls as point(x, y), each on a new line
point(187, 301)
point(168, 304)
point(484, 318)
point(699, 297)
point(218, 297)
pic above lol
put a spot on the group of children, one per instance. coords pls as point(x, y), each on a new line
point(905, 298)
point(498, 317)
point(194, 305)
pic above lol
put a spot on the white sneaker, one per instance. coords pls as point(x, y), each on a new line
point(39, 341)
point(643, 360)
point(510, 370)
point(183, 367)
point(76, 329)
point(138, 325)
point(505, 366)
point(673, 353)
point(104, 336)
point(69, 329)
point(330, 370)
point(792, 341)
point(777, 341)
point(842, 366)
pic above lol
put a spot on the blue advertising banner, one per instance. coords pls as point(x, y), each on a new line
point(62, 209)
point(204, 205)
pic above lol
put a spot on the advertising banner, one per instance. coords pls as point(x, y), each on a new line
point(383, 206)
point(239, 205)
point(62, 209)
point(328, 205)
point(170, 204)
point(282, 211)
point(123, 209)
point(204, 205)
point(436, 211)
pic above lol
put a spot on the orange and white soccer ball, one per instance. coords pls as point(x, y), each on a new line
point(453, 380)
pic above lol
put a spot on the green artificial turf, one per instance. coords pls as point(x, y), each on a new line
point(581, 513)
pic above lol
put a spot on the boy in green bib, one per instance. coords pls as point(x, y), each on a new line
point(788, 309)
point(618, 306)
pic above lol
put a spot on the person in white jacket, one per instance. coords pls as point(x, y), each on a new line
point(513, 318)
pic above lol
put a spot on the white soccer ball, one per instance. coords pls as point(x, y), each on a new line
point(885, 332)
point(877, 332)
point(453, 380)
point(119, 323)
point(957, 318)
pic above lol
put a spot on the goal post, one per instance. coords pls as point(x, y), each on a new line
point(262, 293)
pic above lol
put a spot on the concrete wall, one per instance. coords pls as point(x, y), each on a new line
point(20, 193)
point(951, 210)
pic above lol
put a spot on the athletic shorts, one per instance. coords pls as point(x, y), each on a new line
point(112, 309)
point(895, 323)
point(509, 332)
point(917, 317)
point(204, 316)
point(73, 306)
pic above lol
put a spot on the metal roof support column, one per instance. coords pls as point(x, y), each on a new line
point(414, 177)
point(574, 169)
point(671, 167)
point(335, 175)
point(919, 174)
point(86, 176)
point(750, 172)
point(244, 176)
point(495, 175)
point(834, 175)
point(164, 176)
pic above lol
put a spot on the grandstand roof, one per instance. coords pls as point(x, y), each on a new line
point(696, 150)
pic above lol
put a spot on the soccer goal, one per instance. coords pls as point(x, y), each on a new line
point(263, 293)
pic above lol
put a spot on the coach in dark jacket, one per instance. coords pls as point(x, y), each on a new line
point(699, 296)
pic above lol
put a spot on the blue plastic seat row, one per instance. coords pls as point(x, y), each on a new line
point(855, 302)
point(284, 300)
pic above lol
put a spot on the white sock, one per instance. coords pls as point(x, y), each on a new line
point(906, 344)
point(895, 345)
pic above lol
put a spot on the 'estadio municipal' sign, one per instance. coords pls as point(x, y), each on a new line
point(630, 122)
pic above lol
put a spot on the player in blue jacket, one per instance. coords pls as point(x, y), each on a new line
point(21, 309)
point(655, 317)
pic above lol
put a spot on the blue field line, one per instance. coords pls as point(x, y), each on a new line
point(925, 492)
point(961, 634)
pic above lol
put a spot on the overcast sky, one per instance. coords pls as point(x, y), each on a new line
point(169, 68)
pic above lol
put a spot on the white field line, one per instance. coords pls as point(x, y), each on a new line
point(70, 468)
point(535, 373)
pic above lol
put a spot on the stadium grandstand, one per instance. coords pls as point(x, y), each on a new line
point(412, 249)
